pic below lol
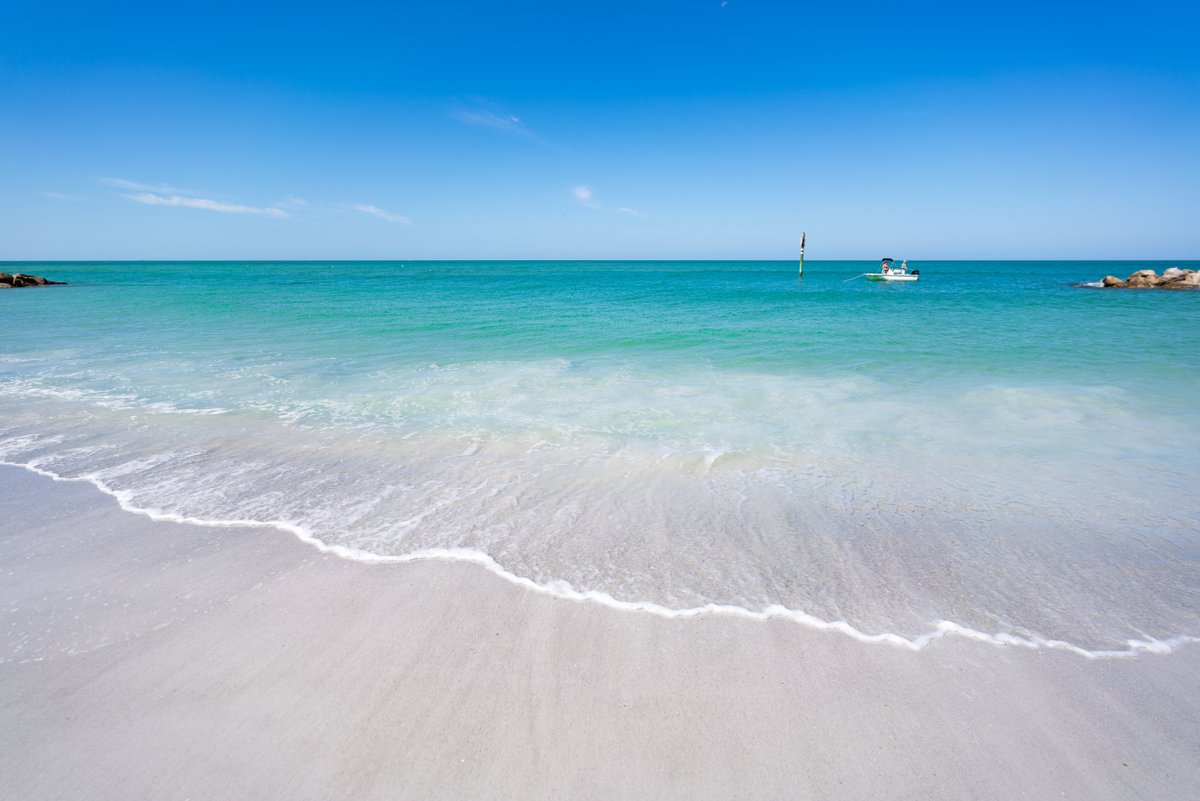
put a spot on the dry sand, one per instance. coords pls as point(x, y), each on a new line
point(164, 661)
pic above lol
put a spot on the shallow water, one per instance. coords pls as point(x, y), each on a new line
point(991, 446)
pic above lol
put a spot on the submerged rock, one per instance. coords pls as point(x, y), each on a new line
point(10, 281)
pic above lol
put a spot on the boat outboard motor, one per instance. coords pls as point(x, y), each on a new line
point(916, 272)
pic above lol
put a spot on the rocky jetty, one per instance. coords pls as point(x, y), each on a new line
point(12, 280)
point(1171, 278)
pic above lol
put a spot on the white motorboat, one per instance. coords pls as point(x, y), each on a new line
point(889, 271)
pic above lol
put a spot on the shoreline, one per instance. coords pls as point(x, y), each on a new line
point(168, 660)
point(563, 591)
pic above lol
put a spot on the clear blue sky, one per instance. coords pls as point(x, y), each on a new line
point(649, 129)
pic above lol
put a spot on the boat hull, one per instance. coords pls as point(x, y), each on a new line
point(882, 277)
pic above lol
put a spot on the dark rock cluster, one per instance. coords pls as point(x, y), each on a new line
point(12, 280)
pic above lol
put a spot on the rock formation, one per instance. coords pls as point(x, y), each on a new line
point(9, 281)
point(1171, 278)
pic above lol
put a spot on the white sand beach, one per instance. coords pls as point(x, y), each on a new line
point(141, 659)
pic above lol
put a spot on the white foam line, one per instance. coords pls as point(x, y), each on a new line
point(564, 591)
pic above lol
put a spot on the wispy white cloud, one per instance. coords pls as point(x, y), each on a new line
point(375, 211)
point(134, 186)
point(154, 199)
point(293, 202)
point(584, 195)
point(166, 195)
point(487, 114)
point(61, 196)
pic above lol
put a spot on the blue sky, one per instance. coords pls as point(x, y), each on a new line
point(599, 130)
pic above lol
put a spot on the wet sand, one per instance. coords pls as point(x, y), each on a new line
point(160, 660)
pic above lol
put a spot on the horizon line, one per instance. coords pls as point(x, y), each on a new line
point(552, 260)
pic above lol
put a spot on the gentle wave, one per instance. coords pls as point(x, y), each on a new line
point(18, 389)
point(564, 591)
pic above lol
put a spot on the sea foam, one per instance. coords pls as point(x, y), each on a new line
point(564, 591)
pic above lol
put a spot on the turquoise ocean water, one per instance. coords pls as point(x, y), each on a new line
point(993, 448)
